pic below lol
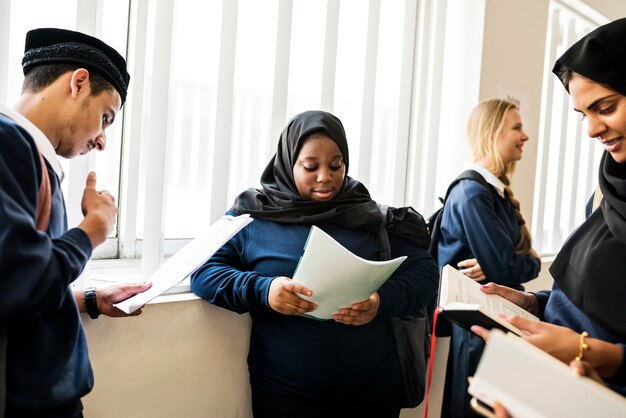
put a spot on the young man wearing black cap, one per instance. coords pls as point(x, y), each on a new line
point(73, 88)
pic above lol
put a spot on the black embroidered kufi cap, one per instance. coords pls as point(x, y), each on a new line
point(61, 46)
point(600, 56)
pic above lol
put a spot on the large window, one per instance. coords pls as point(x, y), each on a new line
point(213, 83)
point(222, 78)
point(568, 159)
point(107, 20)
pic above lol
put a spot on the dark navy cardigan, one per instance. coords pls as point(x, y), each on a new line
point(47, 366)
point(556, 308)
point(303, 357)
point(478, 223)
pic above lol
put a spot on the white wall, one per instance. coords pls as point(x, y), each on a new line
point(179, 359)
point(513, 55)
point(612, 9)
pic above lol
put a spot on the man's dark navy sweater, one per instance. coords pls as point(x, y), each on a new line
point(48, 370)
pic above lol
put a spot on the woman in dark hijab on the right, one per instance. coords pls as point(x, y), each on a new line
point(585, 313)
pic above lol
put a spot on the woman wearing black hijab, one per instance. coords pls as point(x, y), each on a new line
point(347, 366)
point(587, 304)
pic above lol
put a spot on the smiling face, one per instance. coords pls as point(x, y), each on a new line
point(512, 137)
point(605, 110)
point(319, 169)
point(86, 119)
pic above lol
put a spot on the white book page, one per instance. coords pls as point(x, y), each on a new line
point(337, 277)
point(457, 287)
point(187, 260)
point(531, 383)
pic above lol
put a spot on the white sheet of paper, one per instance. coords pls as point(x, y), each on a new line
point(337, 277)
point(187, 260)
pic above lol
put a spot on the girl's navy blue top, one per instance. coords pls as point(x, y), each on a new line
point(478, 223)
point(303, 357)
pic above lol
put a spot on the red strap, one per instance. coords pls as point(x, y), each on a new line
point(431, 362)
point(44, 199)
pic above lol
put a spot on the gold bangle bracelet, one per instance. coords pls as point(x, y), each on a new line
point(582, 346)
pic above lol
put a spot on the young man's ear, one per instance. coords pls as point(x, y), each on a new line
point(79, 82)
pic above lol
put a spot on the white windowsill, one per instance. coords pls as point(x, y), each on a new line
point(102, 273)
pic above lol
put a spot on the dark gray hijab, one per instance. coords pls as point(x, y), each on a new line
point(279, 200)
point(590, 268)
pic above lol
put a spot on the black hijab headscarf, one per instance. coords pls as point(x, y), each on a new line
point(600, 56)
point(590, 268)
point(279, 199)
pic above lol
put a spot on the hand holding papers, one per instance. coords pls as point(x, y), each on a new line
point(337, 277)
point(532, 383)
point(465, 304)
point(187, 260)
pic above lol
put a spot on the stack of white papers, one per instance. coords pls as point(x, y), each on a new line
point(187, 260)
point(337, 277)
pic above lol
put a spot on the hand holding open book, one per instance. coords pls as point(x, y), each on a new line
point(463, 303)
point(532, 383)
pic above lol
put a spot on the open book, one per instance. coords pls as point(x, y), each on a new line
point(187, 260)
point(337, 277)
point(531, 383)
point(465, 304)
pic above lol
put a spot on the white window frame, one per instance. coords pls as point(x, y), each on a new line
point(419, 102)
point(154, 248)
point(564, 28)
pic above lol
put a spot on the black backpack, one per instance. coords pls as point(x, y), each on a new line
point(434, 220)
point(412, 334)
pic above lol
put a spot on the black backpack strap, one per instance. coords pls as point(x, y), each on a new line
point(383, 235)
point(412, 334)
point(434, 224)
point(468, 175)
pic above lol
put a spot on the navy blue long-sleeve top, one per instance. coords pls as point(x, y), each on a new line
point(303, 357)
point(478, 223)
point(556, 308)
point(48, 370)
point(559, 310)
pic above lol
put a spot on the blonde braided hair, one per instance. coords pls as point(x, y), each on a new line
point(483, 128)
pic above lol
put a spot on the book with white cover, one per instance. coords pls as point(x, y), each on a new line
point(529, 382)
point(337, 277)
point(187, 260)
point(464, 304)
